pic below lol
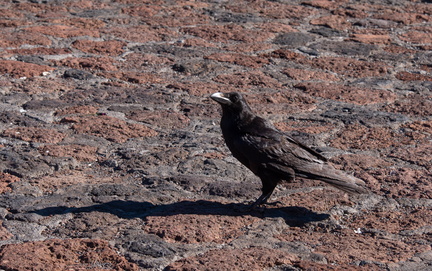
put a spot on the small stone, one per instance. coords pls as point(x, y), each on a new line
point(17, 69)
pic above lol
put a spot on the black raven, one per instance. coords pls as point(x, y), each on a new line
point(271, 154)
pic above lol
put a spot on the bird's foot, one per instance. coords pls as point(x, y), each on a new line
point(274, 203)
point(256, 208)
point(258, 205)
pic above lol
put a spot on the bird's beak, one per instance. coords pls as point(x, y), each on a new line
point(220, 98)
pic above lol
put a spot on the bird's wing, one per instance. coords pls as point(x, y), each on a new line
point(278, 150)
point(306, 148)
point(264, 143)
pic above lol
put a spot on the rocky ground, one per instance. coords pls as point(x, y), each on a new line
point(112, 156)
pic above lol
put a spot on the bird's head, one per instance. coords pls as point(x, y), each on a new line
point(232, 102)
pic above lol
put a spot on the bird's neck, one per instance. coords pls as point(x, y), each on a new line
point(237, 120)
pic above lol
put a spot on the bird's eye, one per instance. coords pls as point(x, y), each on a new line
point(235, 98)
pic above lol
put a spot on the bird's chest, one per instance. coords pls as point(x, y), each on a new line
point(234, 141)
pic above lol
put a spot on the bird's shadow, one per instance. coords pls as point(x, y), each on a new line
point(293, 215)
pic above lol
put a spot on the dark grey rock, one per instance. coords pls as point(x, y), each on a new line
point(239, 191)
point(294, 39)
point(345, 48)
point(18, 119)
point(23, 165)
point(170, 50)
point(148, 245)
point(48, 104)
point(350, 114)
point(198, 67)
point(77, 74)
point(32, 59)
point(228, 17)
point(328, 32)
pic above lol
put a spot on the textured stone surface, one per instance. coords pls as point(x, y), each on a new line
point(62, 255)
point(111, 156)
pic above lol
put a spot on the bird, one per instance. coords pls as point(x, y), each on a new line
point(273, 155)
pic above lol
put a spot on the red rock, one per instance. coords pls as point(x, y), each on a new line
point(324, 4)
point(308, 265)
point(350, 67)
point(304, 126)
point(179, 15)
point(111, 48)
point(35, 134)
point(142, 11)
point(11, 14)
point(281, 102)
point(275, 10)
point(5, 234)
point(358, 162)
point(320, 200)
point(308, 75)
point(287, 54)
point(257, 258)
point(134, 77)
point(203, 89)
point(407, 76)
point(41, 51)
point(275, 27)
point(425, 127)
point(367, 138)
point(38, 85)
point(395, 49)
point(5, 180)
point(86, 5)
point(39, 9)
point(83, 23)
point(138, 61)
point(419, 155)
point(141, 33)
point(110, 128)
point(248, 79)
point(18, 38)
point(63, 31)
point(353, 10)
point(402, 182)
point(197, 42)
point(333, 21)
point(417, 37)
point(372, 39)
point(200, 110)
point(394, 221)
point(193, 229)
point(240, 59)
point(224, 33)
point(55, 254)
point(257, 47)
point(79, 152)
point(60, 180)
point(171, 120)
point(12, 23)
point(344, 246)
point(401, 16)
point(90, 63)
point(19, 69)
point(79, 109)
point(413, 104)
point(346, 93)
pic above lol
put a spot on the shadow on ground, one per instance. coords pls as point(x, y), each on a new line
point(293, 215)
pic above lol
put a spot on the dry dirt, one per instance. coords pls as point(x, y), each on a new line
point(111, 157)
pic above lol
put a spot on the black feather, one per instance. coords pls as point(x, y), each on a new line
point(271, 154)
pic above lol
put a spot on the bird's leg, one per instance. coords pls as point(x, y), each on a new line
point(262, 199)
point(267, 190)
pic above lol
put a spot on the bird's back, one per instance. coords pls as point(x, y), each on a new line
point(271, 153)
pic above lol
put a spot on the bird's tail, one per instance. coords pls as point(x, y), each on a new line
point(337, 178)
